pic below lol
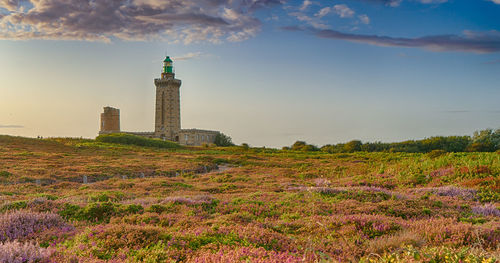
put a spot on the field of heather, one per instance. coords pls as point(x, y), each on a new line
point(72, 200)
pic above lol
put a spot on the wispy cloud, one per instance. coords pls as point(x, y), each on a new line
point(315, 22)
point(305, 5)
point(496, 1)
point(396, 3)
point(190, 55)
point(433, 1)
point(477, 42)
point(323, 12)
point(392, 3)
point(364, 19)
point(178, 20)
point(10, 126)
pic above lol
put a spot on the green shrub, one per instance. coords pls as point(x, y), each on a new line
point(133, 209)
point(303, 146)
point(426, 211)
point(481, 147)
point(98, 212)
point(487, 195)
point(106, 196)
point(157, 208)
point(5, 174)
point(436, 153)
point(70, 211)
point(122, 138)
point(154, 253)
point(48, 196)
point(14, 206)
point(223, 140)
point(353, 146)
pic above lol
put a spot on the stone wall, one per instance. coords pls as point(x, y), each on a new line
point(196, 137)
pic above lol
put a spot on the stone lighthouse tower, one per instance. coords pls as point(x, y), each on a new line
point(167, 111)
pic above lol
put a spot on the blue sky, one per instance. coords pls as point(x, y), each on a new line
point(265, 72)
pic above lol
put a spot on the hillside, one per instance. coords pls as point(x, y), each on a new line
point(77, 200)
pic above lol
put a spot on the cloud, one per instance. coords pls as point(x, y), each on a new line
point(364, 19)
point(305, 5)
point(315, 23)
point(391, 3)
point(496, 1)
point(177, 20)
point(190, 55)
point(323, 12)
point(343, 11)
point(10, 126)
point(477, 42)
point(396, 3)
point(433, 1)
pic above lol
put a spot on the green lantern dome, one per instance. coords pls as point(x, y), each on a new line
point(167, 65)
point(167, 59)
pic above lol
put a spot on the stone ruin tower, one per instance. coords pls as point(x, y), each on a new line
point(167, 111)
point(110, 120)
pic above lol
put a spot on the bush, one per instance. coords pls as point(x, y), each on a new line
point(480, 147)
point(5, 174)
point(410, 253)
point(303, 146)
point(70, 211)
point(223, 140)
point(98, 212)
point(353, 146)
point(107, 240)
point(133, 209)
point(486, 210)
point(157, 208)
point(16, 252)
point(122, 138)
point(486, 195)
point(21, 224)
point(436, 153)
point(16, 205)
point(245, 146)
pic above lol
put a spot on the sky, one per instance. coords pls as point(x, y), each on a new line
point(265, 72)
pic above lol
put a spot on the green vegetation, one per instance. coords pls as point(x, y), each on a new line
point(129, 139)
point(144, 204)
point(223, 140)
point(482, 141)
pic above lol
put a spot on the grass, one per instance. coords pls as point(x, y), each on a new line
point(150, 203)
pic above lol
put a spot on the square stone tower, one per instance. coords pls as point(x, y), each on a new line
point(167, 111)
point(110, 120)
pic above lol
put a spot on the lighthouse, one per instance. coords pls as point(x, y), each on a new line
point(167, 110)
point(167, 114)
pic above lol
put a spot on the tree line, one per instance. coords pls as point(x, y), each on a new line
point(482, 141)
